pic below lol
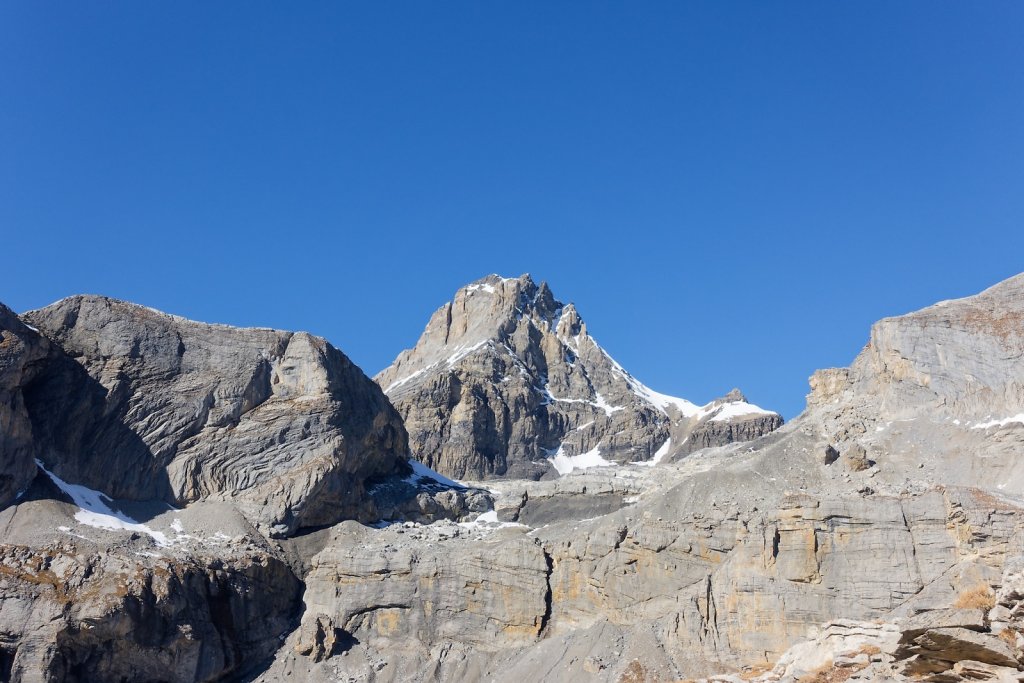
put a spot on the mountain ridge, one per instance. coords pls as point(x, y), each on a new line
point(862, 523)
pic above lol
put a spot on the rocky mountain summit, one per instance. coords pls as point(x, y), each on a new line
point(879, 536)
point(506, 381)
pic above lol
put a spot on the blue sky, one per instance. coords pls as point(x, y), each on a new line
point(730, 192)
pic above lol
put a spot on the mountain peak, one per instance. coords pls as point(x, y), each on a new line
point(506, 381)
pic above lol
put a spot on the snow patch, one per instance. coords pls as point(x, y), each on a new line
point(489, 520)
point(658, 400)
point(460, 352)
point(481, 287)
point(739, 409)
point(1000, 423)
point(598, 402)
point(659, 455)
point(565, 464)
point(92, 511)
point(421, 471)
point(662, 452)
point(408, 378)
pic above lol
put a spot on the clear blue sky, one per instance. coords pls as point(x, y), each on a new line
point(730, 192)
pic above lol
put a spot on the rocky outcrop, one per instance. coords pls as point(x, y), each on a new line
point(485, 592)
point(208, 601)
point(144, 405)
point(719, 433)
point(506, 381)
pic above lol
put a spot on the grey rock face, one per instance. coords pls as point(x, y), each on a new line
point(154, 406)
point(954, 644)
point(22, 353)
point(957, 359)
point(974, 619)
point(712, 433)
point(507, 382)
point(716, 585)
point(488, 593)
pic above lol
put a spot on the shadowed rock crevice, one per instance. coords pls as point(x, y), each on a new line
point(548, 606)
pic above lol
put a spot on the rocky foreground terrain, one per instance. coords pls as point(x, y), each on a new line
point(190, 502)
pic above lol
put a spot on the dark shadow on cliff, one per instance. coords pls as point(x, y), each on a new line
point(80, 436)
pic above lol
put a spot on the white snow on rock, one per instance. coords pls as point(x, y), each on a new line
point(686, 408)
point(463, 351)
point(421, 471)
point(738, 409)
point(662, 452)
point(460, 352)
point(488, 520)
point(663, 401)
point(481, 287)
point(659, 455)
point(1000, 423)
point(92, 511)
point(598, 402)
point(658, 400)
point(408, 378)
point(565, 464)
